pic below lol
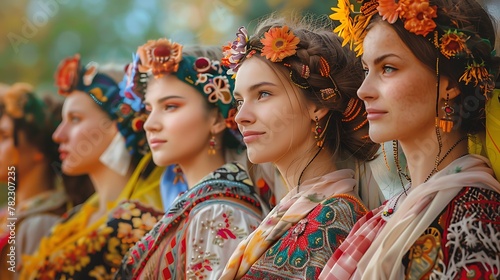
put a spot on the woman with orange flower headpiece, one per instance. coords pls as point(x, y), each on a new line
point(297, 108)
point(100, 135)
point(429, 69)
point(188, 97)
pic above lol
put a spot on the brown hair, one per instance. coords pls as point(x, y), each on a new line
point(470, 16)
point(317, 43)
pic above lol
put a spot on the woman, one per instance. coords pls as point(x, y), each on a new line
point(188, 100)
point(297, 107)
point(100, 136)
point(429, 68)
point(36, 197)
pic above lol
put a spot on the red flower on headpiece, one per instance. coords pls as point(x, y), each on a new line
point(419, 16)
point(453, 43)
point(279, 43)
point(66, 76)
point(160, 56)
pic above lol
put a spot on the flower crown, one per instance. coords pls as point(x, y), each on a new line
point(160, 57)
point(106, 93)
point(421, 18)
point(278, 45)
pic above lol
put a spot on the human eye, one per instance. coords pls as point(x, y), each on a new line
point(237, 103)
point(74, 119)
point(388, 69)
point(263, 94)
point(365, 71)
point(170, 107)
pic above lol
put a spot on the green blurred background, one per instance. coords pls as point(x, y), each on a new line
point(36, 34)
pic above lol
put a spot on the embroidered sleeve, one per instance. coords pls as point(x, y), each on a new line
point(213, 233)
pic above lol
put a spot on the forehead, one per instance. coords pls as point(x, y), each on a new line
point(169, 85)
point(380, 39)
point(81, 102)
point(256, 70)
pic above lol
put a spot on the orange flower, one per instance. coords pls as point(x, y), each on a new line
point(279, 42)
point(419, 17)
point(453, 43)
point(160, 56)
point(475, 71)
point(388, 9)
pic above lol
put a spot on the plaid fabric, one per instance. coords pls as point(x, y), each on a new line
point(343, 263)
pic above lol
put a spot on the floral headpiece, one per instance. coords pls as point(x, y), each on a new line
point(279, 45)
point(19, 102)
point(421, 18)
point(161, 57)
point(107, 94)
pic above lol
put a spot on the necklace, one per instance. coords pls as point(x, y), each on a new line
point(390, 210)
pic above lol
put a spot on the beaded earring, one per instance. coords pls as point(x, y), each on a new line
point(318, 133)
point(211, 146)
point(446, 122)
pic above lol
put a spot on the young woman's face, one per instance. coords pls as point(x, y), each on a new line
point(84, 134)
point(179, 125)
point(272, 115)
point(399, 91)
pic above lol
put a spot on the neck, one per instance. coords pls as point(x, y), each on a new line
point(108, 184)
point(33, 181)
point(421, 154)
point(291, 169)
point(200, 166)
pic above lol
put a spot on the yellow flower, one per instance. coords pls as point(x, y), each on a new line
point(279, 42)
point(100, 273)
point(342, 14)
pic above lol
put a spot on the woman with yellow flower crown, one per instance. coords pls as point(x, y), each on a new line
point(100, 135)
point(37, 193)
point(297, 108)
point(188, 96)
point(429, 69)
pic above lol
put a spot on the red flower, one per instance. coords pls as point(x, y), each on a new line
point(66, 76)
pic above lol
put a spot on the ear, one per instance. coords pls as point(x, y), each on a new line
point(38, 156)
point(219, 123)
point(448, 88)
point(320, 113)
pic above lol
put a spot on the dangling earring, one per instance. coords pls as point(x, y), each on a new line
point(211, 146)
point(179, 176)
point(446, 123)
point(318, 133)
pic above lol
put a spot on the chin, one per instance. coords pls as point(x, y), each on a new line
point(161, 160)
point(378, 136)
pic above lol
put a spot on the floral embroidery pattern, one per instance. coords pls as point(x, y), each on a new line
point(99, 253)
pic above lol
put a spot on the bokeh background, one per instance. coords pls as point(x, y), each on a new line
point(36, 34)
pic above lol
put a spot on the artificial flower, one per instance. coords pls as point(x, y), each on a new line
point(418, 15)
point(234, 52)
point(475, 72)
point(279, 42)
point(453, 43)
point(346, 27)
point(16, 98)
point(66, 76)
point(159, 56)
point(389, 11)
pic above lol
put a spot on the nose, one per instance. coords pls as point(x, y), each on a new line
point(153, 122)
point(245, 115)
point(60, 135)
point(367, 90)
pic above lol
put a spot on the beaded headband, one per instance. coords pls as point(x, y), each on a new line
point(419, 17)
point(279, 45)
point(106, 93)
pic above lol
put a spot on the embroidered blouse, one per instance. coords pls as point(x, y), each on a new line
point(195, 238)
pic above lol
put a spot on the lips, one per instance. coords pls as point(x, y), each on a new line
point(156, 143)
point(63, 154)
point(374, 114)
point(251, 136)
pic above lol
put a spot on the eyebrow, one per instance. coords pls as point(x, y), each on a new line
point(381, 58)
point(255, 86)
point(164, 99)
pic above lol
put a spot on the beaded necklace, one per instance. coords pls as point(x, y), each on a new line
point(390, 210)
